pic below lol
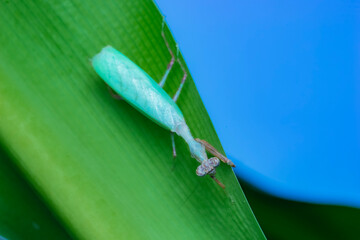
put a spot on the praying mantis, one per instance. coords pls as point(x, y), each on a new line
point(138, 89)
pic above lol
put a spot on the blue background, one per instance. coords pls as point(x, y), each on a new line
point(280, 80)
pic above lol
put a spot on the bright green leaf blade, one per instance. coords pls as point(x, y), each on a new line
point(105, 169)
point(22, 214)
point(285, 219)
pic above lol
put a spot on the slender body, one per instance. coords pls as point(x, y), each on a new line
point(137, 88)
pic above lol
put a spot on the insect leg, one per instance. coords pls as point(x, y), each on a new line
point(218, 182)
point(172, 61)
point(173, 144)
point(215, 152)
point(114, 94)
point(174, 150)
point(176, 96)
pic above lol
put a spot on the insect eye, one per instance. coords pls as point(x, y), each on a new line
point(200, 171)
point(207, 167)
point(214, 162)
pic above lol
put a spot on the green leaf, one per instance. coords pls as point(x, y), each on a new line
point(102, 167)
point(22, 214)
point(285, 219)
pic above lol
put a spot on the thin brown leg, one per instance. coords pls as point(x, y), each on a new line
point(218, 182)
point(215, 152)
point(171, 64)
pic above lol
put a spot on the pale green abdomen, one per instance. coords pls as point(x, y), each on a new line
point(137, 88)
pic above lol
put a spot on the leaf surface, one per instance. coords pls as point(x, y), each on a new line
point(102, 167)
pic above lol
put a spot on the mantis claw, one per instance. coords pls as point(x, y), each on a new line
point(215, 152)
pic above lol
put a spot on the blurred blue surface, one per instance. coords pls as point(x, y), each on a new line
point(281, 82)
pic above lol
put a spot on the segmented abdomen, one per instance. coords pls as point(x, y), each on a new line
point(137, 88)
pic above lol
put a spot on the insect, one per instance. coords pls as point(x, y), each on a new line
point(137, 88)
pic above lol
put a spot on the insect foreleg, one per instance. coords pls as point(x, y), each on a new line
point(215, 152)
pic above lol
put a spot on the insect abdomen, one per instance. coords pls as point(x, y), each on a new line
point(137, 88)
